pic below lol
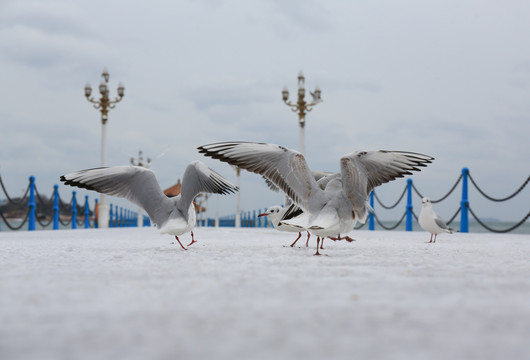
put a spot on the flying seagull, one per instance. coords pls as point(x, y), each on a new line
point(174, 216)
point(430, 221)
point(331, 211)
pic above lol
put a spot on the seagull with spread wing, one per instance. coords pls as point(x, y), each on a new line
point(331, 211)
point(174, 216)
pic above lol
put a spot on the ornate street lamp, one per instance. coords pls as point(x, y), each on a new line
point(140, 161)
point(301, 106)
point(104, 104)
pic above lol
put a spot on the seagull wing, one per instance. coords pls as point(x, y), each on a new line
point(362, 171)
point(134, 183)
point(200, 178)
point(442, 224)
point(286, 168)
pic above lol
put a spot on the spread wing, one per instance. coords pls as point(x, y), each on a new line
point(200, 178)
point(284, 167)
point(134, 183)
point(362, 171)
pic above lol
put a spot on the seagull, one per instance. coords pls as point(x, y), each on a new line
point(430, 221)
point(174, 216)
point(277, 213)
point(327, 212)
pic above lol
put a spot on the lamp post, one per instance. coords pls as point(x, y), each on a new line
point(147, 164)
point(301, 106)
point(104, 104)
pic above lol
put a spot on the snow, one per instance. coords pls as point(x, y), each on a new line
point(245, 294)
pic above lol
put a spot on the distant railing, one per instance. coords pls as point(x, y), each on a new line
point(464, 209)
point(34, 209)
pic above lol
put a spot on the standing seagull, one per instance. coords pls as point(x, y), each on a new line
point(331, 211)
point(277, 213)
point(430, 221)
point(174, 216)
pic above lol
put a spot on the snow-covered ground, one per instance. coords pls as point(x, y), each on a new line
point(245, 294)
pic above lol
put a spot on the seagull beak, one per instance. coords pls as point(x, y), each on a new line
point(264, 214)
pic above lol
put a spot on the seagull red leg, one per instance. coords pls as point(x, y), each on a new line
point(307, 242)
point(299, 235)
point(318, 243)
point(347, 238)
point(176, 237)
point(192, 239)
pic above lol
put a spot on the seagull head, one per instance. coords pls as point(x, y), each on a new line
point(274, 211)
point(425, 201)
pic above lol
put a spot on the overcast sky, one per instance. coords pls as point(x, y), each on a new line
point(450, 79)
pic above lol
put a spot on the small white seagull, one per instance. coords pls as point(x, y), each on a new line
point(327, 212)
point(277, 213)
point(174, 216)
point(430, 221)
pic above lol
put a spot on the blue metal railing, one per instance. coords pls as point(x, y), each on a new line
point(120, 217)
point(248, 218)
point(123, 217)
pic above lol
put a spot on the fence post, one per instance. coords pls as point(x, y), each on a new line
point(74, 211)
point(121, 217)
point(31, 205)
point(55, 207)
point(371, 220)
point(87, 213)
point(110, 216)
point(409, 206)
point(464, 204)
point(96, 211)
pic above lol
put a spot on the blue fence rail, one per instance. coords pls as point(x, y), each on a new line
point(249, 218)
point(120, 217)
point(35, 209)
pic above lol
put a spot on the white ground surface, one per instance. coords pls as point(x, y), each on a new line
point(244, 294)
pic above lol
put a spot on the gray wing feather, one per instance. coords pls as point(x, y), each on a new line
point(286, 168)
point(200, 178)
point(362, 171)
point(134, 183)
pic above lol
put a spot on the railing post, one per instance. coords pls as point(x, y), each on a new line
point(96, 212)
point(31, 205)
point(253, 218)
point(110, 216)
point(74, 211)
point(55, 207)
point(409, 206)
point(371, 217)
point(87, 213)
point(116, 218)
point(464, 204)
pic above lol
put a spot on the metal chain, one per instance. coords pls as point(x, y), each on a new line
point(496, 230)
point(443, 197)
point(503, 199)
point(359, 227)
point(42, 223)
point(393, 206)
point(14, 227)
point(11, 200)
point(391, 227)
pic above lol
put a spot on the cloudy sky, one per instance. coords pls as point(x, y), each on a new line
point(449, 79)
